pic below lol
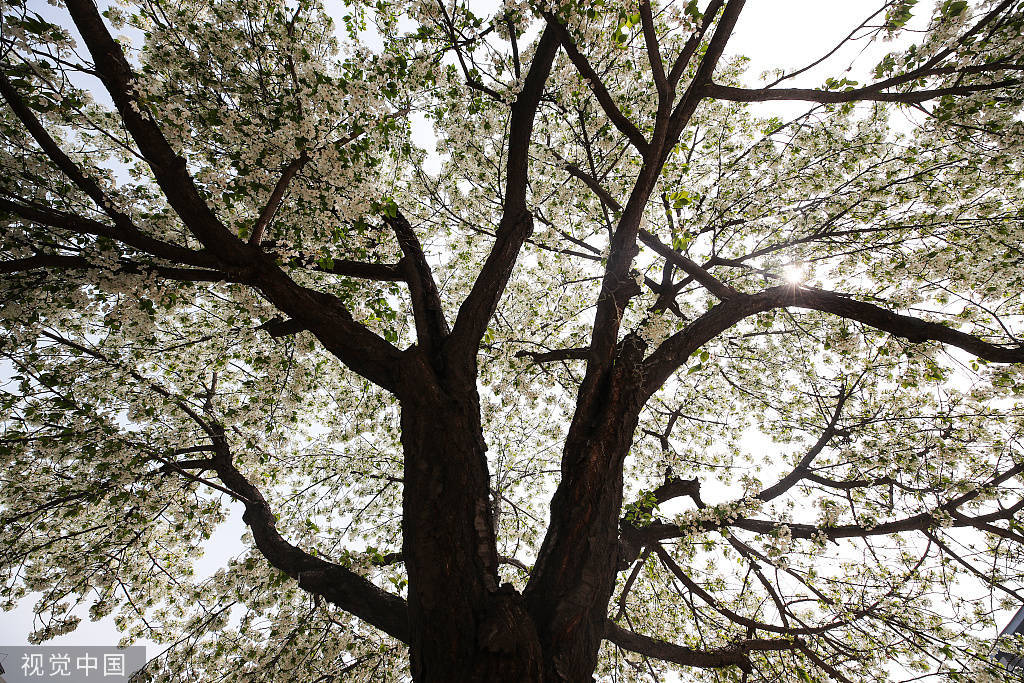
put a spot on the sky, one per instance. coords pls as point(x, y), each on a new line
point(785, 34)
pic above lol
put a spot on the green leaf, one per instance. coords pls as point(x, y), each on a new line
point(953, 8)
point(899, 14)
point(693, 11)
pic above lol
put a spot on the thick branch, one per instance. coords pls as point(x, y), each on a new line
point(734, 94)
point(516, 223)
point(41, 261)
point(693, 42)
point(279, 327)
point(665, 89)
point(697, 89)
point(617, 287)
point(676, 349)
point(733, 655)
point(168, 166)
point(382, 272)
point(333, 582)
point(675, 487)
point(323, 314)
point(912, 329)
point(126, 234)
point(554, 355)
point(346, 589)
point(431, 325)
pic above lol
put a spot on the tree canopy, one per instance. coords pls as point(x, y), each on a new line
point(630, 376)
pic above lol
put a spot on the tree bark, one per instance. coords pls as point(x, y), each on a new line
point(574, 576)
point(464, 626)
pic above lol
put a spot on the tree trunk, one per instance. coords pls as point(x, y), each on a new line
point(578, 563)
point(574, 577)
point(464, 626)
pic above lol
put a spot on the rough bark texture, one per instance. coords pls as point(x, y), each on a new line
point(574, 577)
point(464, 625)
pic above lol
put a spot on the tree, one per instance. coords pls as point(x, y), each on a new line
point(637, 380)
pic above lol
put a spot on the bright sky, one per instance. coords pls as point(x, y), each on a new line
point(786, 34)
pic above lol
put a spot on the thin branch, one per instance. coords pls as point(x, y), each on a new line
point(590, 181)
point(831, 52)
point(923, 521)
point(822, 664)
point(732, 655)
point(804, 465)
point(721, 290)
point(590, 77)
point(276, 197)
point(67, 262)
point(127, 234)
point(729, 614)
point(58, 157)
